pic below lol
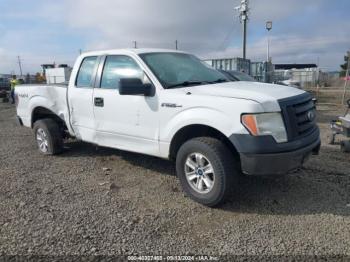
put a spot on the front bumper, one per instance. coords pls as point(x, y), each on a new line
point(277, 163)
point(263, 156)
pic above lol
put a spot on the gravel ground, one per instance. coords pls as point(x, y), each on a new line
point(101, 201)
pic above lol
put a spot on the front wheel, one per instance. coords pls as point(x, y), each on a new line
point(207, 170)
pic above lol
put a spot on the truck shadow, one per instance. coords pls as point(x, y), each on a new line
point(309, 191)
point(82, 149)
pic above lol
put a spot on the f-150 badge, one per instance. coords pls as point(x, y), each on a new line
point(170, 105)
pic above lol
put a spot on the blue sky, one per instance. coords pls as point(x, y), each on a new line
point(53, 31)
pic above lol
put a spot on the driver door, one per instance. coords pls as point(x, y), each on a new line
point(126, 122)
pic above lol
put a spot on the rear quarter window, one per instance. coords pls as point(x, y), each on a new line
point(86, 72)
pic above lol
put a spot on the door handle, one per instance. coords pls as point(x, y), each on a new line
point(98, 101)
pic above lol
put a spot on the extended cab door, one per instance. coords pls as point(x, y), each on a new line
point(80, 99)
point(128, 122)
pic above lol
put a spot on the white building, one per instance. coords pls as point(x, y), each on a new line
point(58, 75)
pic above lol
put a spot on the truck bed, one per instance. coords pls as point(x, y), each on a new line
point(51, 97)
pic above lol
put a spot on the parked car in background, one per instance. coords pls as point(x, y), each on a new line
point(4, 83)
point(237, 76)
point(4, 88)
point(289, 82)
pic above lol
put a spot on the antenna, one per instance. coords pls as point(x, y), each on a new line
point(243, 15)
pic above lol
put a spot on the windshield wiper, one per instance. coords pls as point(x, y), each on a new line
point(197, 82)
point(188, 83)
point(220, 80)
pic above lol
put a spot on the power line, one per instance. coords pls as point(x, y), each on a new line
point(227, 39)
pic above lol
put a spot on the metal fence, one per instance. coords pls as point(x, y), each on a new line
point(303, 78)
point(236, 64)
point(265, 72)
point(261, 71)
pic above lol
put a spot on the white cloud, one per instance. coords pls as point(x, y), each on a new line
point(263, 10)
point(302, 30)
point(153, 22)
point(34, 47)
point(206, 27)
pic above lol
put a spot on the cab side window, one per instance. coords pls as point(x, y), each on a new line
point(86, 72)
point(117, 67)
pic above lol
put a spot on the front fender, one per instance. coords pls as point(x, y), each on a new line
point(201, 116)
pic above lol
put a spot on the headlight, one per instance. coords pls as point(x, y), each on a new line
point(266, 124)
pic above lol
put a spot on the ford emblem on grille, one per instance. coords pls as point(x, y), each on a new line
point(311, 116)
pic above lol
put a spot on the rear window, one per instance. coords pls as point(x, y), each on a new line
point(86, 72)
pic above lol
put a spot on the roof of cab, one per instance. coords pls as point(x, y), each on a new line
point(128, 51)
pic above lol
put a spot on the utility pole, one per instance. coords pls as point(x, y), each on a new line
point(176, 43)
point(268, 28)
point(80, 51)
point(135, 44)
point(346, 79)
point(19, 64)
point(243, 15)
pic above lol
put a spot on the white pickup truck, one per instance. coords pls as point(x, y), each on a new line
point(171, 105)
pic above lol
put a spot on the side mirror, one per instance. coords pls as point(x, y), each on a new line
point(134, 86)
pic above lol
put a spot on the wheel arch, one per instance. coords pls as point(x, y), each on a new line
point(198, 130)
point(41, 112)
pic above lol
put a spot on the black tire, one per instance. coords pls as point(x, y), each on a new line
point(225, 166)
point(331, 139)
point(345, 146)
point(53, 136)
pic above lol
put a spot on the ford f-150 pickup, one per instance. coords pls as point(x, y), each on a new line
point(171, 105)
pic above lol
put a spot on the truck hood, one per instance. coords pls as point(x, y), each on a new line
point(265, 94)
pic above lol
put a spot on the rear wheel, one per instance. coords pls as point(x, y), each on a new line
point(345, 146)
point(48, 136)
point(331, 139)
point(207, 170)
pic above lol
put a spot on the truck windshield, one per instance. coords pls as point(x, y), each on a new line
point(175, 70)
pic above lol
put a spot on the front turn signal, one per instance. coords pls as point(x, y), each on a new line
point(249, 121)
